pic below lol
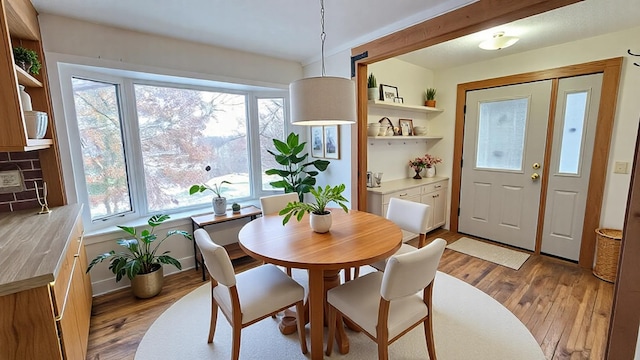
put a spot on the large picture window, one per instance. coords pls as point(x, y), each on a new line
point(142, 144)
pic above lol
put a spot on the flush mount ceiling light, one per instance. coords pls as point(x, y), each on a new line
point(323, 100)
point(499, 41)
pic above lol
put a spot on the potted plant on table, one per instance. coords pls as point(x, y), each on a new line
point(297, 175)
point(320, 218)
point(141, 263)
point(430, 97)
point(27, 59)
point(372, 85)
point(219, 202)
point(427, 162)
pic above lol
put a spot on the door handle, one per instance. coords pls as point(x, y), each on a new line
point(535, 176)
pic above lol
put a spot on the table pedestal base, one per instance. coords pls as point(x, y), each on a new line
point(288, 324)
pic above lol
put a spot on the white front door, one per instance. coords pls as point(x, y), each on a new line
point(569, 169)
point(504, 138)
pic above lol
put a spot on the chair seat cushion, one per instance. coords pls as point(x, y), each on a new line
point(405, 248)
point(262, 290)
point(360, 300)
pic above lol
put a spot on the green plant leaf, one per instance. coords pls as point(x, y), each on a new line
point(130, 230)
point(166, 259)
point(156, 220)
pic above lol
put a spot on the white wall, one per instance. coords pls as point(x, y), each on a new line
point(597, 48)
point(391, 157)
point(69, 40)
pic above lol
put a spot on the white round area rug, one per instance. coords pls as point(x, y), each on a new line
point(468, 325)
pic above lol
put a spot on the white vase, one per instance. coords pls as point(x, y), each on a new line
point(25, 99)
point(320, 223)
point(219, 205)
point(430, 172)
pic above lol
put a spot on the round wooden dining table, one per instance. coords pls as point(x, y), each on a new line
point(356, 238)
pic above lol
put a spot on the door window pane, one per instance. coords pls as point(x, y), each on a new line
point(100, 126)
point(270, 126)
point(185, 131)
point(572, 132)
point(501, 132)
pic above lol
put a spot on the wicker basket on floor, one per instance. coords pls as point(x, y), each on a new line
point(608, 251)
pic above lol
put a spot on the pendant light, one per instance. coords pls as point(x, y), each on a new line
point(323, 100)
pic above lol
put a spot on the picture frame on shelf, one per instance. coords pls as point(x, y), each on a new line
point(388, 92)
point(399, 100)
point(331, 142)
point(406, 127)
point(317, 141)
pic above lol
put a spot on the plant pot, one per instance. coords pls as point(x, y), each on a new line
point(320, 223)
point(219, 205)
point(373, 93)
point(148, 285)
point(430, 103)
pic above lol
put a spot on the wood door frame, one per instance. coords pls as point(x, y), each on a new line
point(611, 69)
point(480, 15)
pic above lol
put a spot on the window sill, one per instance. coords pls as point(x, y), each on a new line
point(176, 219)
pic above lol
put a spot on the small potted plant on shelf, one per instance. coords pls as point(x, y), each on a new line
point(27, 59)
point(235, 207)
point(219, 201)
point(372, 86)
point(141, 262)
point(320, 218)
point(427, 162)
point(430, 97)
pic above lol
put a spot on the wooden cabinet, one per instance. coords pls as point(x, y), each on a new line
point(430, 191)
point(46, 295)
point(19, 27)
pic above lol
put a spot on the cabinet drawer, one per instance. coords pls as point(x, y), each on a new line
point(433, 187)
point(64, 277)
point(407, 194)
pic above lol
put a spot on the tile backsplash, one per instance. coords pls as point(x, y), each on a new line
point(29, 163)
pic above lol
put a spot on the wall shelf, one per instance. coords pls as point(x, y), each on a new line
point(25, 78)
point(431, 137)
point(396, 106)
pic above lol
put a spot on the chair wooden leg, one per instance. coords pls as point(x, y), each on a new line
point(235, 345)
point(383, 350)
point(428, 334)
point(289, 271)
point(331, 318)
point(301, 329)
point(214, 319)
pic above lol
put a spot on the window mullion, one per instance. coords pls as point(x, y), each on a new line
point(133, 150)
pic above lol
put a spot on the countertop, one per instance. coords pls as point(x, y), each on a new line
point(32, 245)
point(401, 184)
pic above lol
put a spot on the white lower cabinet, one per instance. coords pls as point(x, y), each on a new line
point(430, 191)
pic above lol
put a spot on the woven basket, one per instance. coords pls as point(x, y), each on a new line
point(608, 251)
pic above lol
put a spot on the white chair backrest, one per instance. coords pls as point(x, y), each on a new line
point(409, 215)
point(273, 204)
point(216, 259)
point(408, 273)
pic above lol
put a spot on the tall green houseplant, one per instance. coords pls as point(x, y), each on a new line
point(297, 175)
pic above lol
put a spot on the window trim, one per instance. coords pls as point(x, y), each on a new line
point(125, 82)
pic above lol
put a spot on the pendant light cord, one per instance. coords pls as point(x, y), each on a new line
point(323, 35)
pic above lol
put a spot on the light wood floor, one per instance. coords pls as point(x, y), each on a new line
point(566, 308)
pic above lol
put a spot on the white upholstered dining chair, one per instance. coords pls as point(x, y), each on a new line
point(410, 216)
point(386, 305)
point(250, 296)
point(272, 204)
